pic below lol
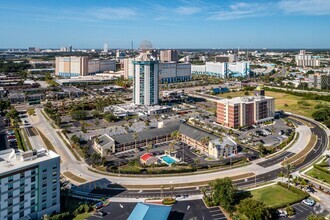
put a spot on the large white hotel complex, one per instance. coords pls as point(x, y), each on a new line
point(222, 70)
point(74, 66)
point(30, 184)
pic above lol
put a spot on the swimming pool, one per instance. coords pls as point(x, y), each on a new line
point(168, 160)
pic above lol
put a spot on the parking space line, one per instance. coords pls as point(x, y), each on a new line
point(298, 209)
point(304, 207)
point(220, 218)
point(217, 214)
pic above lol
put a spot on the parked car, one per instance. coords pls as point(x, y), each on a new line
point(309, 202)
point(11, 136)
point(12, 140)
point(99, 213)
point(282, 213)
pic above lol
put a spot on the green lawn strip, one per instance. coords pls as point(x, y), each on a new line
point(73, 177)
point(47, 142)
point(319, 175)
point(82, 216)
point(19, 139)
point(27, 140)
point(68, 146)
point(276, 196)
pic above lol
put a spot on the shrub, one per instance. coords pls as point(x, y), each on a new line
point(169, 201)
point(290, 210)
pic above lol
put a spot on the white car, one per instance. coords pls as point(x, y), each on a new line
point(309, 202)
point(282, 213)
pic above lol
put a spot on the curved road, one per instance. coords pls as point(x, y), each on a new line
point(98, 183)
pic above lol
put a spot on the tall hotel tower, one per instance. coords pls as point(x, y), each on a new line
point(146, 80)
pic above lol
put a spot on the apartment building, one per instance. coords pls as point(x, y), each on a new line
point(245, 111)
point(30, 184)
point(229, 58)
point(304, 59)
point(319, 81)
point(169, 56)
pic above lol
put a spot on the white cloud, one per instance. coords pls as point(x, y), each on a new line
point(242, 10)
point(305, 7)
point(113, 13)
point(187, 10)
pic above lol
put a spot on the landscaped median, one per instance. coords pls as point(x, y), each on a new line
point(74, 177)
point(300, 157)
point(321, 172)
point(192, 184)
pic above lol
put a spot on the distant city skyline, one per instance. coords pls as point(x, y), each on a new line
point(171, 24)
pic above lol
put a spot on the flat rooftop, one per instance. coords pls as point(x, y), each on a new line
point(10, 161)
point(245, 99)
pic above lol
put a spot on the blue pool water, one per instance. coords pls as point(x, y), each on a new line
point(168, 160)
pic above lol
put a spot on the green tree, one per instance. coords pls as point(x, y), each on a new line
point(223, 193)
point(315, 217)
point(109, 117)
point(289, 168)
point(12, 113)
point(253, 209)
point(95, 157)
point(321, 114)
point(78, 115)
point(4, 105)
point(75, 139)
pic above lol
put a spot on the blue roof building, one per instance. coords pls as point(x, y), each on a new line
point(144, 211)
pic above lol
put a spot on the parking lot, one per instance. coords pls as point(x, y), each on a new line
point(268, 135)
point(182, 210)
point(302, 211)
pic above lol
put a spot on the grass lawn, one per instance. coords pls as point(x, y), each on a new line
point(82, 216)
point(320, 175)
point(275, 196)
point(281, 99)
point(74, 177)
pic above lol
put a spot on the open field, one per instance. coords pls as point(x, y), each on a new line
point(275, 196)
point(285, 102)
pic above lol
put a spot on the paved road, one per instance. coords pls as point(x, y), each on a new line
point(276, 159)
point(80, 168)
point(299, 90)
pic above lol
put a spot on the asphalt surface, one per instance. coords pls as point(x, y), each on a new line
point(276, 159)
point(182, 210)
point(101, 188)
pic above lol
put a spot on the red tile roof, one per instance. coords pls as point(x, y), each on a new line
point(146, 156)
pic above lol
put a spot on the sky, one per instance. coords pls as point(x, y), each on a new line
point(166, 23)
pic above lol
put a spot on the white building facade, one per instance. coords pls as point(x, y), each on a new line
point(222, 69)
point(304, 59)
point(82, 66)
point(146, 81)
point(30, 184)
point(174, 72)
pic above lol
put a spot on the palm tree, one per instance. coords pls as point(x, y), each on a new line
point(281, 174)
point(149, 146)
point(135, 136)
point(203, 190)
point(172, 190)
point(161, 190)
point(289, 168)
point(175, 135)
